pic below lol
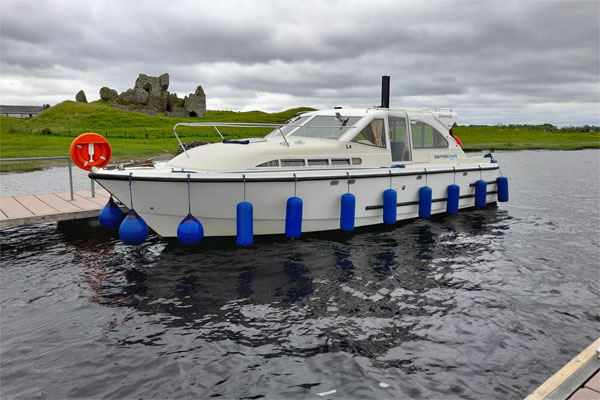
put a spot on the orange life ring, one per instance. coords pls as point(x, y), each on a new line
point(90, 150)
point(457, 140)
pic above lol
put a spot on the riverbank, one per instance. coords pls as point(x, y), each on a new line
point(138, 136)
point(490, 138)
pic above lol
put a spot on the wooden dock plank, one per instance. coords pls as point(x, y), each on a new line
point(50, 207)
point(13, 209)
point(81, 202)
point(99, 193)
point(35, 205)
point(40, 219)
point(585, 394)
point(594, 383)
point(61, 205)
point(98, 200)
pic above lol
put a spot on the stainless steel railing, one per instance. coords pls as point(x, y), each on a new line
point(93, 189)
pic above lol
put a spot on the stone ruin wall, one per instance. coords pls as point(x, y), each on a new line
point(150, 96)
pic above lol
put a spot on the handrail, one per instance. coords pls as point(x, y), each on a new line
point(35, 158)
point(234, 124)
point(54, 158)
point(248, 125)
point(283, 136)
point(241, 125)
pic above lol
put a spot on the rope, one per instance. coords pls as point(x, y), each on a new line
point(189, 196)
point(348, 174)
point(130, 193)
point(244, 177)
point(295, 183)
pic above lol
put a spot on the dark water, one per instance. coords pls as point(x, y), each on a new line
point(483, 305)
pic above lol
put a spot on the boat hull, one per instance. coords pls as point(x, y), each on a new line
point(161, 199)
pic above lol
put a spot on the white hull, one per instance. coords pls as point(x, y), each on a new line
point(161, 197)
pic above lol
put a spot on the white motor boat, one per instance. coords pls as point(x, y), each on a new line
point(317, 157)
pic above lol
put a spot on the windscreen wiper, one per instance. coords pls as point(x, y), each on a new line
point(342, 120)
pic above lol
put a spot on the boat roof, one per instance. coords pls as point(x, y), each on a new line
point(446, 116)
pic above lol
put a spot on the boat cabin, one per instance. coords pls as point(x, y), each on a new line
point(337, 138)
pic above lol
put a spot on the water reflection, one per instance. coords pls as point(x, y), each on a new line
point(361, 293)
point(300, 282)
point(344, 262)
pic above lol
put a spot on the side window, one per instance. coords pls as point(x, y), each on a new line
point(425, 136)
point(398, 141)
point(372, 134)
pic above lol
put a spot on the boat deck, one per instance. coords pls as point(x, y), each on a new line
point(50, 207)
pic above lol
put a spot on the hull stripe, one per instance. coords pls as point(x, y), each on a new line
point(250, 178)
point(414, 203)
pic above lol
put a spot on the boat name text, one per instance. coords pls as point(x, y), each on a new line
point(445, 156)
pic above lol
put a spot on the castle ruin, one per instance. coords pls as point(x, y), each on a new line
point(150, 96)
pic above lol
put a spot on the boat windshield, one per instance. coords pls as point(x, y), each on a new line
point(326, 127)
point(289, 126)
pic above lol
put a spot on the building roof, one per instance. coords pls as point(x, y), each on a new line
point(20, 109)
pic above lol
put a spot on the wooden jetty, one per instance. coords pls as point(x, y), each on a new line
point(579, 379)
point(50, 207)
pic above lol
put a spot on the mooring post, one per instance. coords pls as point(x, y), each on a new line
point(70, 179)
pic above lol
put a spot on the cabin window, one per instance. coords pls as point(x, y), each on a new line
point(425, 136)
point(372, 134)
point(318, 163)
point(356, 161)
point(273, 163)
point(399, 139)
point(340, 161)
point(292, 163)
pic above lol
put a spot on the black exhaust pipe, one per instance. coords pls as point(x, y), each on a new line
point(385, 91)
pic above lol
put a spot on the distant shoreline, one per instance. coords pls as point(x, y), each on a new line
point(135, 136)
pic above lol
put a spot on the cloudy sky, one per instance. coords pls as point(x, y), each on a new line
point(492, 61)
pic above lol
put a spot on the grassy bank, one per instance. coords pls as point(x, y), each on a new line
point(506, 138)
point(131, 135)
point(138, 136)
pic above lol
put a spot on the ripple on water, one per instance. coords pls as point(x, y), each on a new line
point(484, 304)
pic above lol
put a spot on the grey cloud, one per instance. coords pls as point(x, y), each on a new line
point(520, 53)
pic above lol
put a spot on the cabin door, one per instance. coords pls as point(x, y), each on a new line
point(399, 137)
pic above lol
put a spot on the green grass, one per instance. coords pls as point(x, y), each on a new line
point(71, 119)
point(503, 138)
point(139, 136)
point(131, 135)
